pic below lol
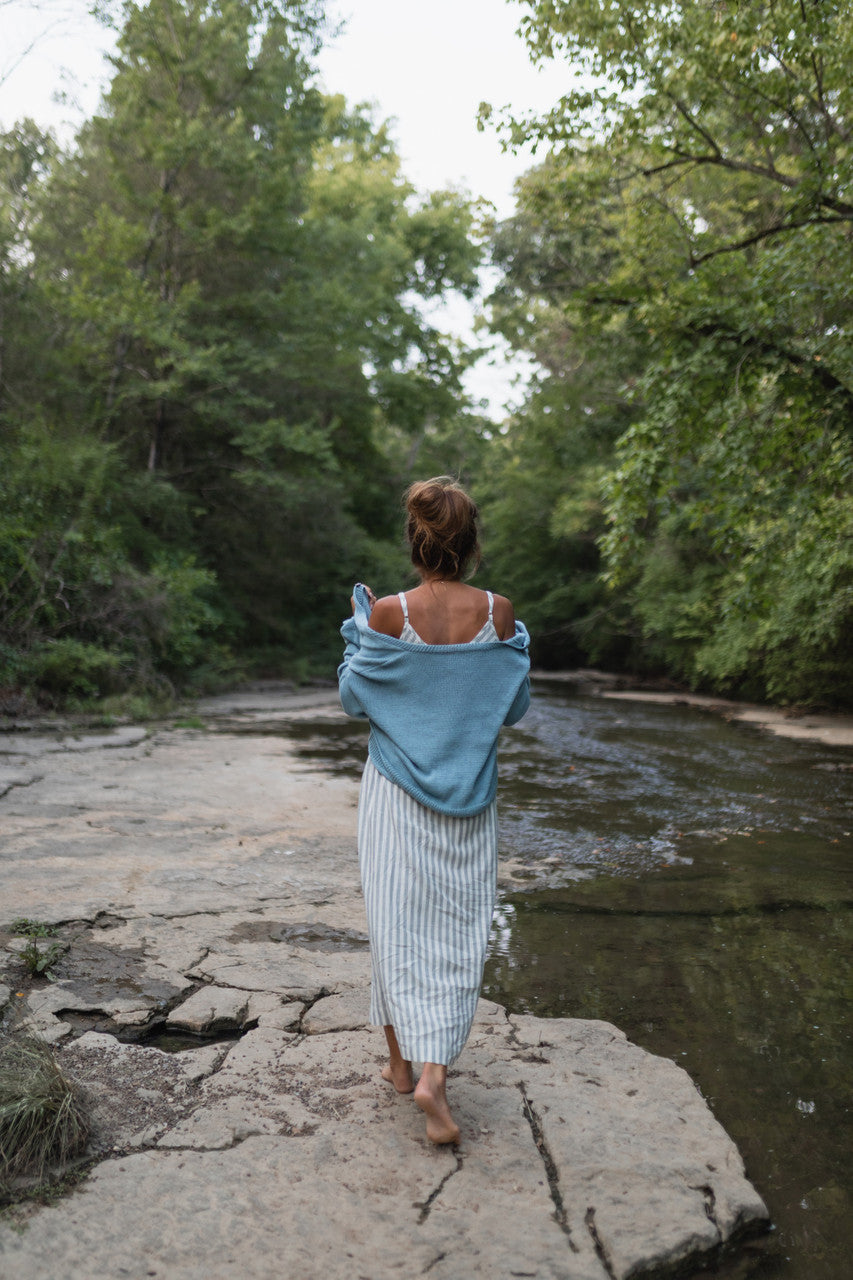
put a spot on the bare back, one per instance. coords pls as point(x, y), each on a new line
point(443, 612)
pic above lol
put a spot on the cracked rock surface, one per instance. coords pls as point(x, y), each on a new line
point(206, 883)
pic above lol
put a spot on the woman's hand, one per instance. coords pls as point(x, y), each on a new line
point(371, 598)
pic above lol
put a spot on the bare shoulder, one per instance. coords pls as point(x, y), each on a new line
point(387, 616)
point(504, 617)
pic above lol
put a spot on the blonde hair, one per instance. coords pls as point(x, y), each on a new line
point(441, 527)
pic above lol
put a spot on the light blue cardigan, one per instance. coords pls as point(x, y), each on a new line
point(435, 710)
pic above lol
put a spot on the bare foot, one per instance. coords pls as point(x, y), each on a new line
point(441, 1128)
point(400, 1075)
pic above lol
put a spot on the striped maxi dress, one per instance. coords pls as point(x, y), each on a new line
point(429, 882)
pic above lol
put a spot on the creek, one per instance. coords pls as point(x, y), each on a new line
point(688, 879)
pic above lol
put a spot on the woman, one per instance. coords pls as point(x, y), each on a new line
point(436, 671)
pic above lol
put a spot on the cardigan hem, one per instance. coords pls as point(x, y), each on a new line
point(413, 790)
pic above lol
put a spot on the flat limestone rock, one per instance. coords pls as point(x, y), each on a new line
point(270, 1010)
point(347, 1011)
point(11, 777)
point(112, 987)
point(210, 1009)
point(142, 1092)
point(291, 971)
point(660, 1178)
point(32, 745)
point(173, 826)
point(213, 876)
point(583, 1157)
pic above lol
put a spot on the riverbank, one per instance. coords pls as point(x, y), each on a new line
point(204, 880)
point(834, 729)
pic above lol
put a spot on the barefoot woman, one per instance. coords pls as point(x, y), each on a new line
point(436, 671)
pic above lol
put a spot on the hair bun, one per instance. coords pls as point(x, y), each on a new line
point(442, 527)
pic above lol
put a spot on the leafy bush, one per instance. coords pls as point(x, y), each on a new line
point(72, 667)
point(730, 527)
point(91, 603)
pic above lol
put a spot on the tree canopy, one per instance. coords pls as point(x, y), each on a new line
point(218, 371)
point(211, 310)
point(684, 253)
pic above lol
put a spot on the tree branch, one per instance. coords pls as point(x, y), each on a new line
point(820, 101)
point(800, 363)
point(694, 123)
point(843, 208)
point(768, 232)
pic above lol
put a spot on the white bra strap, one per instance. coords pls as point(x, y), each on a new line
point(401, 596)
point(491, 606)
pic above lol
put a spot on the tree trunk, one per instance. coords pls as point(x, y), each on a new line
point(155, 453)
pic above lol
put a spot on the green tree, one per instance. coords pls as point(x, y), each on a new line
point(25, 156)
point(231, 272)
point(544, 473)
point(705, 150)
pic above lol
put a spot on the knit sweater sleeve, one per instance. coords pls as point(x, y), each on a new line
point(349, 701)
point(519, 704)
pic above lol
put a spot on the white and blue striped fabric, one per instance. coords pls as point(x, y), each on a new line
point(429, 882)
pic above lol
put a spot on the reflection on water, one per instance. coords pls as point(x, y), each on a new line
point(715, 929)
point(689, 880)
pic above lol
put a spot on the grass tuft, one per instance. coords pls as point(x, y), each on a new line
point(188, 722)
point(42, 1121)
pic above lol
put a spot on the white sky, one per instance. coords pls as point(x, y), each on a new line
point(426, 66)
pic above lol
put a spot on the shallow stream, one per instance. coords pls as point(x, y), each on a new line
point(689, 879)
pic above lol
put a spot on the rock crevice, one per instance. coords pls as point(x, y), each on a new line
point(426, 1205)
point(600, 1251)
point(551, 1171)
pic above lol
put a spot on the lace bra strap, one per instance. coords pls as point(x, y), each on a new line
point(491, 606)
point(401, 596)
